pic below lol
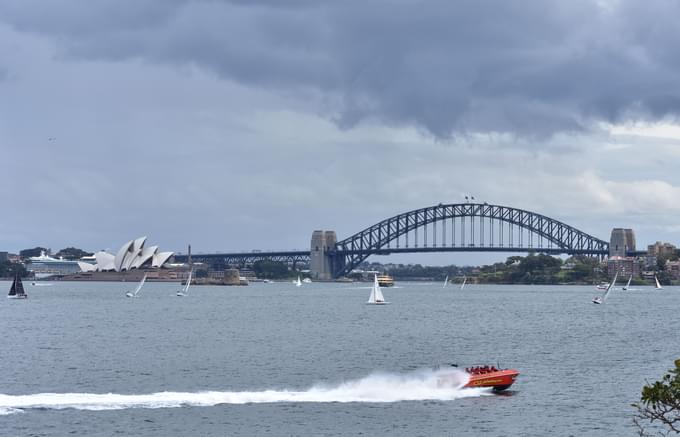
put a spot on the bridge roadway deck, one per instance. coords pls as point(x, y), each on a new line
point(260, 255)
point(300, 254)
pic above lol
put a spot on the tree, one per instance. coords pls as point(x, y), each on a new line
point(660, 402)
point(72, 253)
point(661, 263)
point(270, 269)
point(32, 252)
point(8, 269)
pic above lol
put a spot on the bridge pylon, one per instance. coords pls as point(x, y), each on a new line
point(321, 262)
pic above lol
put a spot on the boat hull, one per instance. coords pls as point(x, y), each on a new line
point(18, 296)
point(499, 380)
point(385, 281)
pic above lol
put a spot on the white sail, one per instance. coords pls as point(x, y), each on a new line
point(464, 281)
point(298, 283)
point(371, 297)
point(611, 285)
point(139, 286)
point(658, 286)
point(630, 278)
point(446, 281)
point(379, 298)
point(376, 296)
point(186, 287)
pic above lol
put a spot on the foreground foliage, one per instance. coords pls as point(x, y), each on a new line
point(660, 403)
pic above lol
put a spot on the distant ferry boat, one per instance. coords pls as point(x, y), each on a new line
point(385, 280)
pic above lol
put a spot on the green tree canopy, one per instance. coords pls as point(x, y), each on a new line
point(32, 252)
point(72, 253)
point(660, 402)
point(8, 269)
point(271, 269)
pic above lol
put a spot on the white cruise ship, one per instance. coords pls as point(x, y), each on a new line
point(44, 266)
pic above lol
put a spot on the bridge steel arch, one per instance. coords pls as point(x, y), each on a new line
point(377, 239)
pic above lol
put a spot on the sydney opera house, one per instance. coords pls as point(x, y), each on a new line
point(132, 255)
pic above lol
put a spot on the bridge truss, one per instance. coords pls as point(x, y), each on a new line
point(478, 227)
point(244, 259)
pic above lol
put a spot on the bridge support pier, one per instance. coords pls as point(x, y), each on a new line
point(321, 263)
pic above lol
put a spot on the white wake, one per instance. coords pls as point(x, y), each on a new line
point(443, 385)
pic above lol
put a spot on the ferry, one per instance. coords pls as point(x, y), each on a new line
point(385, 280)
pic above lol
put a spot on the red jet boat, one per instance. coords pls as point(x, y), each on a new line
point(489, 376)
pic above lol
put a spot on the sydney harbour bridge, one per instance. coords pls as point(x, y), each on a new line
point(458, 227)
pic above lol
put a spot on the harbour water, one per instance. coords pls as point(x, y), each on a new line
point(275, 359)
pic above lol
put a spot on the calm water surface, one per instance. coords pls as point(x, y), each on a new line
point(273, 359)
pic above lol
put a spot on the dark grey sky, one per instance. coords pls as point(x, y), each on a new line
point(247, 124)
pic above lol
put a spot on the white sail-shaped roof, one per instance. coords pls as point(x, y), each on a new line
point(122, 253)
point(161, 258)
point(138, 244)
point(132, 255)
point(146, 255)
point(86, 267)
point(105, 261)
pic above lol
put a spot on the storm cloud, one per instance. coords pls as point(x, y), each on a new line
point(531, 68)
point(240, 125)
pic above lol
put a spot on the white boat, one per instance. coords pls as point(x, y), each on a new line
point(267, 281)
point(657, 286)
point(184, 291)
point(446, 281)
point(602, 286)
point(628, 283)
point(603, 299)
point(464, 281)
point(139, 287)
point(376, 297)
point(16, 291)
point(298, 283)
point(307, 280)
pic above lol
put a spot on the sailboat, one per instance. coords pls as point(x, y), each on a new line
point(464, 281)
point(628, 284)
point(298, 283)
point(376, 297)
point(657, 286)
point(603, 299)
point(17, 289)
point(184, 291)
point(446, 281)
point(139, 287)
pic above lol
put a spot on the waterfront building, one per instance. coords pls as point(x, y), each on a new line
point(650, 261)
point(132, 255)
point(4, 257)
point(661, 249)
point(626, 266)
point(673, 269)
